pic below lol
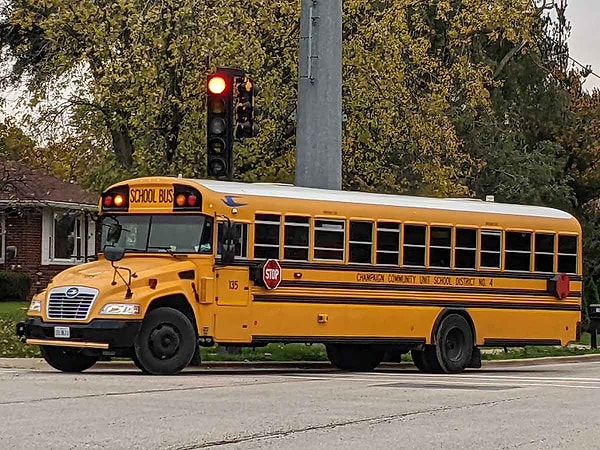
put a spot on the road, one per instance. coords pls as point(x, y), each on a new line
point(501, 407)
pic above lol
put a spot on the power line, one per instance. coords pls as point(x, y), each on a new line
point(587, 69)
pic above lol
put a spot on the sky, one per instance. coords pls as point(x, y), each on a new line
point(584, 43)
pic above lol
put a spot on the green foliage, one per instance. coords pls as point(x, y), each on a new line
point(10, 345)
point(14, 286)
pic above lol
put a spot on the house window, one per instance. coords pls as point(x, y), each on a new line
point(65, 236)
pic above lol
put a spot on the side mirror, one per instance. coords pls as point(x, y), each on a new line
point(114, 254)
point(11, 253)
point(114, 233)
point(228, 244)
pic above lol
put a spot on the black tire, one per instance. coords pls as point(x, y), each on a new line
point(136, 361)
point(354, 357)
point(426, 360)
point(454, 340)
point(67, 359)
point(166, 342)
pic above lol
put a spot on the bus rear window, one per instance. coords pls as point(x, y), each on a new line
point(567, 254)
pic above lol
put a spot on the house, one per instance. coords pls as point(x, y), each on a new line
point(49, 221)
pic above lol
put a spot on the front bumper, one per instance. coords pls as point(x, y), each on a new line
point(99, 333)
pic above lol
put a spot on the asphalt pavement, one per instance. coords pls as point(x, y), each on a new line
point(552, 404)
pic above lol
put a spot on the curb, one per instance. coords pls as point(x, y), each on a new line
point(40, 364)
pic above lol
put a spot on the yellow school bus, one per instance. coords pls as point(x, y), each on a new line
point(189, 263)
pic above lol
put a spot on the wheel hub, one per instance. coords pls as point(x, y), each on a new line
point(454, 344)
point(164, 341)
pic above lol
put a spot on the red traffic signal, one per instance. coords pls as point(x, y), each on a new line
point(217, 84)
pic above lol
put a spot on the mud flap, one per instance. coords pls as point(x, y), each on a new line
point(475, 362)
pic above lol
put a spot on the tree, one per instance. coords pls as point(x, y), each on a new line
point(137, 70)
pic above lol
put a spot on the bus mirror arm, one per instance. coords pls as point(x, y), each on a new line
point(127, 282)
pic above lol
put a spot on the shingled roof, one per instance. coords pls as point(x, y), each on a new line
point(22, 184)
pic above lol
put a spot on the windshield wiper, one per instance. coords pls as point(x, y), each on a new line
point(166, 249)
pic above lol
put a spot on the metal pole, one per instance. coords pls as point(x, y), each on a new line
point(319, 113)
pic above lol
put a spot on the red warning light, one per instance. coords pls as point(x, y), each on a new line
point(217, 85)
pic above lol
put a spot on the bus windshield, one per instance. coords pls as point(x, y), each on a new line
point(161, 233)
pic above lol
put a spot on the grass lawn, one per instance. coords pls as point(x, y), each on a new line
point(13, 312)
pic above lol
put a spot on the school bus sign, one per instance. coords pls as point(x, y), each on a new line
point(271, 274)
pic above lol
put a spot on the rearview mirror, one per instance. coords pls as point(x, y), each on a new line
point(11, 253)
point(114, 254)
point(228, 244)
point(114, 233)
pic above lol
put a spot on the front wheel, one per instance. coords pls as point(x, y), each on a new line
point(67, 359)
point(166, 342)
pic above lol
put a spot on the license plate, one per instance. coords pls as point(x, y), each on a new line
point(598, 310)
point(62, 332)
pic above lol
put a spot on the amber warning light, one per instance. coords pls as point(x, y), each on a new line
point(217, 85)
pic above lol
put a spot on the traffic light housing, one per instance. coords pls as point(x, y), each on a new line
point(219, 128)
point(245, 109)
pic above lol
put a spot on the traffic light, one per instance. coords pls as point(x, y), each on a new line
point(245, 110)
point(219, 130)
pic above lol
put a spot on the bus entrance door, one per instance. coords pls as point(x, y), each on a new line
point(232, 318)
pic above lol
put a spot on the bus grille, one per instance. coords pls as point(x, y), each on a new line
point(71, 302)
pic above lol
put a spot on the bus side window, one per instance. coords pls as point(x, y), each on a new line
point(544, 253)
point(465, 251)
point(266, 236)
point(388, 243)
point(414, 245)
point(241, 246)
point(567, 254)
point(295, 240)
point(440, 246)
point(361, 242)
point(518, 251)
point(329, 239)
point(491, 245)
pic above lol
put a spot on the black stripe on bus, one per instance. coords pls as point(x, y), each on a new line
point(406, 270)
point(519, 342)
point(421, 288)
point(340, 339)
point(413, 302)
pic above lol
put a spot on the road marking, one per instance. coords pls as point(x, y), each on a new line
point(462, 380)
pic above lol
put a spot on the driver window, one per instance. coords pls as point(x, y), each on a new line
point(207, 237)
point(241, 245)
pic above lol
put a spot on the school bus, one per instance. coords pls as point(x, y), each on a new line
point(189, 263)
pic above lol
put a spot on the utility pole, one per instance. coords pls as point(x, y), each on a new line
point(319, 113)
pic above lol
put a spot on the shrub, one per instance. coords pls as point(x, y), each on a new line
point(14, 286)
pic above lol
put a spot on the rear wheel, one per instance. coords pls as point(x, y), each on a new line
point(354, 357)
point(454, 347)
point(67, 359)
point(166, 342)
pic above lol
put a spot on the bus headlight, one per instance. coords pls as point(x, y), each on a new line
point(35, 306)
point(122, 309)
